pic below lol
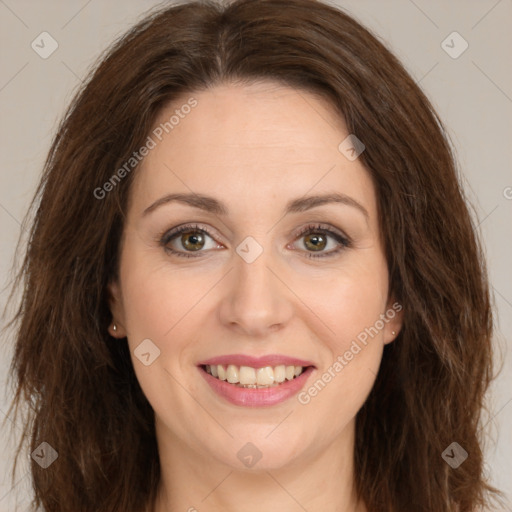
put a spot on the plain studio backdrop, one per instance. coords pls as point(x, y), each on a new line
point(458, 52)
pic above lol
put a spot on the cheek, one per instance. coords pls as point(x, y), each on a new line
point(166, 306)
point(350, 305)
point(348, 301)
point(155, 297)
point(159, 306)
point(349, 365)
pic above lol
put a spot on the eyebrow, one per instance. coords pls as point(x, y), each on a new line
point(212, 205)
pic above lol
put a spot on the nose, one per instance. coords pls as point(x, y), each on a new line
point(257, 301)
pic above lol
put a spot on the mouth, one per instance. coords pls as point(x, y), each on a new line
point(255, 381)
point(254, 378)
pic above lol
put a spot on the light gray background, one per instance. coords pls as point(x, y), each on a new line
point(472, 94)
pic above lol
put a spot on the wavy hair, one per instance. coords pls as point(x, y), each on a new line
point(83, 395)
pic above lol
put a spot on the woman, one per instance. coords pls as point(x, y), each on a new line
point(254, 284)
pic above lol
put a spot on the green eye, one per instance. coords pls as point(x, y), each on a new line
point(194, 238)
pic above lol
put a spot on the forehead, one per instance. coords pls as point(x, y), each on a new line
point(250, 143)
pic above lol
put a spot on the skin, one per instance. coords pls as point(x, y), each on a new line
point(254, 148)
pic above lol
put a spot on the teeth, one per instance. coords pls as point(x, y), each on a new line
point(246, 376)
point(265, 376)
point(232, 374)
point(280, 373)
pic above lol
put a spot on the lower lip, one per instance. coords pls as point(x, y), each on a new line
point(257, 397)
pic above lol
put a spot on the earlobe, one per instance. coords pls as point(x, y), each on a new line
point(116, 328)
point(394, 321)
point(391, 334)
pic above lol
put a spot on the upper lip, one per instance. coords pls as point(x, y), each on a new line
point(256, 362)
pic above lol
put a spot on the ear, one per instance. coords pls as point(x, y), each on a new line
point(115, 303)
point(394, 320)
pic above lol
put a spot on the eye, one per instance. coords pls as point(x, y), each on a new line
point(316, 239)
point(192, 239)
point(186, 240)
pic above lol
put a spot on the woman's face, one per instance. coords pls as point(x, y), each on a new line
point(272, 273)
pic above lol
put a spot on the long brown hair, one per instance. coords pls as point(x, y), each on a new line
point(85, 400)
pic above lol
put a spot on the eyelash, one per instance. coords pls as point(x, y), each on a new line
point(168, 236)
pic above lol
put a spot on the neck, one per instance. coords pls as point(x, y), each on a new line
point(320, 481)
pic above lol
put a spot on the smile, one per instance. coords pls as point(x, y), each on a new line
point(255, 382)
point(249, 377)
